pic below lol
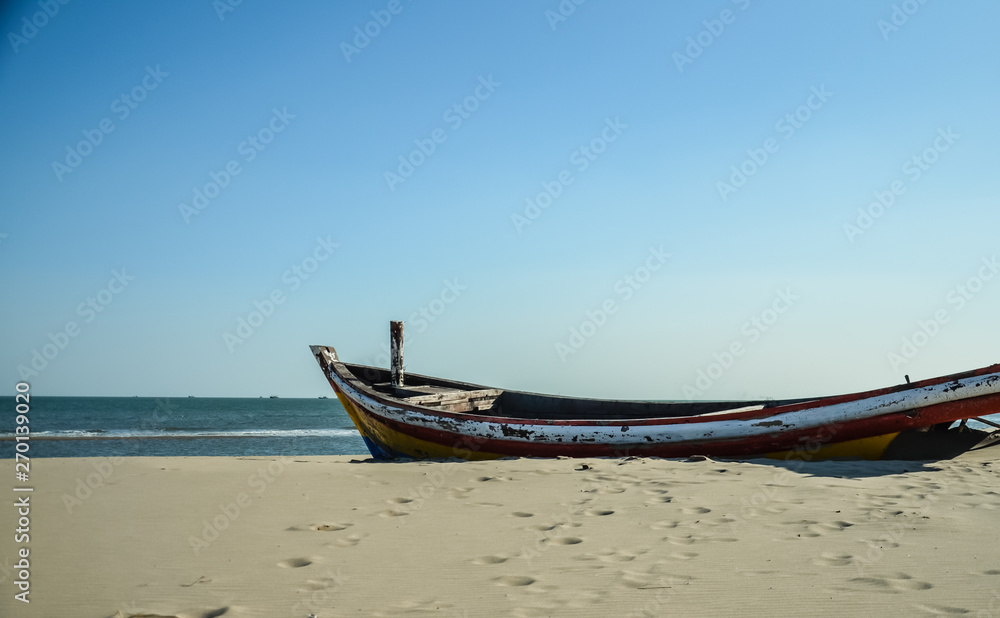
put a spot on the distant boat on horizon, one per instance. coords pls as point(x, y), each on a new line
point(274, 397)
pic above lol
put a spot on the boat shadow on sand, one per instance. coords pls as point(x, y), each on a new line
point(916, 452)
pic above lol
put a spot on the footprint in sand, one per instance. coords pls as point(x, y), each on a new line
point(491, 559)
point(666, 524)
point(565, 540)
point(599, 478)
point(393, 513)
point(321, 583)
point(349, 541)
point(617, 556)
point(418, 607)
point(819, 529)
point(207, 613)
point(632, 579)
point(399, 500)
point(598, 512)
point(718, 521)
point(329, 527)
point(691, 539)
point(697, 510)
point(514, 580)
point(522, 514)
point(606, 490)
point(684, 555)
point(295, 563)
point(833, 560)
point(891, 584)
point(941, 610)
point(650, 578)
point(611, 555)
point(540, 609)
point(811, 529)
point(883, 543)
point(765, 573)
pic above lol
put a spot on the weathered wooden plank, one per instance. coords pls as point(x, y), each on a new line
point(470, 406)
point(396, 352)
point(453, 396)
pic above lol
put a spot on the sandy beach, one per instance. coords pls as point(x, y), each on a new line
point(334, 536)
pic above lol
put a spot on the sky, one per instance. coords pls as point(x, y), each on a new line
point(701, 200)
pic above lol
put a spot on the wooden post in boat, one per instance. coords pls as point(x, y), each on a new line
point(396, 352)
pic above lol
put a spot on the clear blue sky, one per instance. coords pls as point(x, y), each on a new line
point(666, 98)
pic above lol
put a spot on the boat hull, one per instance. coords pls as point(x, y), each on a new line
point(870, 425)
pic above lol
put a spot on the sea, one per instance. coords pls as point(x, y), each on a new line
point(182, 427)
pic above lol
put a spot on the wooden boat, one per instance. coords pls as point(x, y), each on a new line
point(428, 417)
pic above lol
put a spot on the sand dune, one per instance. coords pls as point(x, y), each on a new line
point(269, 537)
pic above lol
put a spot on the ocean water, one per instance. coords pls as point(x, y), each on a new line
point(147, 426)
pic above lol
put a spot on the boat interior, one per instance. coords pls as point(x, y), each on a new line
point(480, 400)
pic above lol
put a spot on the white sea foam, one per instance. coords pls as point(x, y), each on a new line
point(129, 434)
